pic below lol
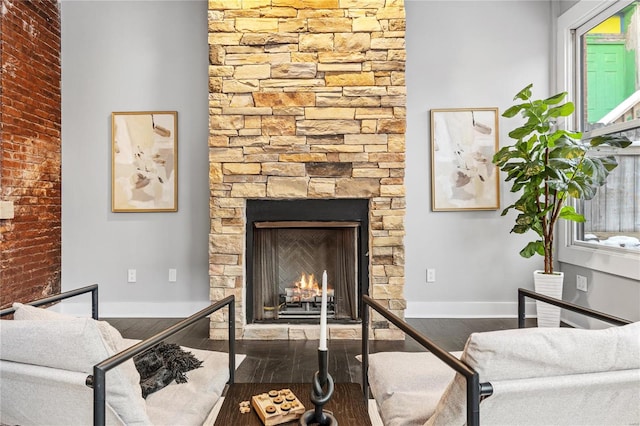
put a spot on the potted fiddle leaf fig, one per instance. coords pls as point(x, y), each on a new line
point(547, 165)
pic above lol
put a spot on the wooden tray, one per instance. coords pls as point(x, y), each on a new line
point(277, 406)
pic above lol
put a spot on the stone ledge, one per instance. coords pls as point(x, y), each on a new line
point(306, 332)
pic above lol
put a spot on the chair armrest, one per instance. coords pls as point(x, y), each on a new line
point(475, 389)
point(93, 288)
point(100, 370)
point(522, 293)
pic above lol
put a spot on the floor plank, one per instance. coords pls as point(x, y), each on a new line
point(295, 361)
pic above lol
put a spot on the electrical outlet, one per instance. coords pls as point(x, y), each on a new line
point(431, 275)
point(131, 275)
point(173, 275)
point(581, 283)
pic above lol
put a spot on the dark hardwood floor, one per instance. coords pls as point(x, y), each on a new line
point(295, 361)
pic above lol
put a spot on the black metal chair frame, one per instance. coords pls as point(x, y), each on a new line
point(97, 381)
point(475, 390)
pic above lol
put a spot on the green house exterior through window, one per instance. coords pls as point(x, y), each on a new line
point(607, 76)
point(610, 66)
point(610, 89)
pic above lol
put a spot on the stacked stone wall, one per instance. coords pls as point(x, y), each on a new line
point(307, 99)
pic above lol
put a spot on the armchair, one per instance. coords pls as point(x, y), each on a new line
point(53, 370)
point(521, 376)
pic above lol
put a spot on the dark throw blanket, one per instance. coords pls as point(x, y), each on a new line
point(162, 364)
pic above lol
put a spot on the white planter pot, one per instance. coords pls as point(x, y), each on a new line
point(549, 285)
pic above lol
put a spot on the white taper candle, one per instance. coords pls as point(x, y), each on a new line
point(323, 314)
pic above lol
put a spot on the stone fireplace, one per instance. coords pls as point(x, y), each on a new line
point(307, 111)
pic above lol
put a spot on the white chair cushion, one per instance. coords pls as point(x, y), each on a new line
point(74, 344)
point(28, 312)
point(36, 395)
point(407, 385)
point(590, 399)
point(539, 352)
point(195, 398)
point(110, 335)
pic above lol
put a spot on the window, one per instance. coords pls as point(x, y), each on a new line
point(609, 97)
point(599, 62)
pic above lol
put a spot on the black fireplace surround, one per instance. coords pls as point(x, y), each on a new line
point(354, 211)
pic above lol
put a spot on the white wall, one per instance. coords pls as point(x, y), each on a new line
point(467, 54)
point(134, 56)
point(608, 293)
point(152, 55)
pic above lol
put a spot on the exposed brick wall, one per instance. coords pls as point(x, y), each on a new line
point(30, 161)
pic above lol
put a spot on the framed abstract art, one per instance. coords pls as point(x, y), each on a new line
point(463, 142)
point(144, 161)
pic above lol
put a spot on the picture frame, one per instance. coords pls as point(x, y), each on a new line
point(144, 161)
point(463, 143)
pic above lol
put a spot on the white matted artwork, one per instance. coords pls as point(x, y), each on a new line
point(463, 142)
point(144, 174)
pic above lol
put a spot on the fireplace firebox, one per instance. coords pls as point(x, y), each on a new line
point(289, 245)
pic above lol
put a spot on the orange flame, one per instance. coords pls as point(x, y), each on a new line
point(307, 286)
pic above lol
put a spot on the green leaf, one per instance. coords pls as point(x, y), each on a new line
point(535, 247)
point(575, 190)
point(555, 99)
point(574, 135)
point(505, 154)
point(506, 210)
point(564, 137)
point(594, 170)
point(558, 184)
point(521, 132)
point(609, 162)
point(611, 140)
point(520, 229)
point(569, 213)
point(563, 110)
point(512, 111)
point(534, 168)
point(569, 151)
point(524, 219)
point(524, 94)
point(589, 191)
point(561, 163)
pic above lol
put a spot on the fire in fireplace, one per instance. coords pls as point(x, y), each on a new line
point(289, 245)
point(303, 299)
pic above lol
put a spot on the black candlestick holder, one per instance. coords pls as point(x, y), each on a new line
point(319, 396)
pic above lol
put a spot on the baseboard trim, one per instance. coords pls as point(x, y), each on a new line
point(467, 309)
point(133, 309)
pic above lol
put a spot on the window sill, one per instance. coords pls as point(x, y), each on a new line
point(624, 263)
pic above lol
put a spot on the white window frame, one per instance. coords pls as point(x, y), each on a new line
point(610, 260)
